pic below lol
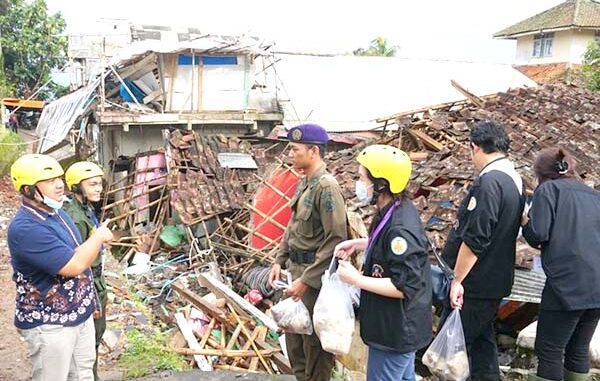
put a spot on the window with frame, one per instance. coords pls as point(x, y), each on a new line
point(598, 36)
point(542, 45)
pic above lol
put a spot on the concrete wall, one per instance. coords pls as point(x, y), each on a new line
point(568, 46)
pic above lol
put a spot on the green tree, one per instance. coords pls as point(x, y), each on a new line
point(33, 44)
point(591, 66)
point(379, 47)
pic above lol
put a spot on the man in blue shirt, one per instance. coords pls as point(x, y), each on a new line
point(55, 297)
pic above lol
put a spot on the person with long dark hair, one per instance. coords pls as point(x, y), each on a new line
point(395, 300)
point(564, 223)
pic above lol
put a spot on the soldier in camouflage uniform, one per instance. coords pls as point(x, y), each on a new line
point(84, 179)
point(317, 225)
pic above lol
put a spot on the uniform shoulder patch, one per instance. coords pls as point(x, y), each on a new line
point(328, 200)
point(328, 179)
point(472, 204)
point(398, 246)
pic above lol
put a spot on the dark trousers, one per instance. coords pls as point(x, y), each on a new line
point(308, 359)
point(478, 317)
point(568, 334)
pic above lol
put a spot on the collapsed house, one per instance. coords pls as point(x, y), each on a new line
point(231, 218)
point(199, 182)
point(210, 84)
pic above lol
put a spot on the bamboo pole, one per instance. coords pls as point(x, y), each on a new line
point(132, 197)
point(252, 343)
point(117, 218)
point(265, 216)
point(234, 337)
point(225, 352)
point(206, 336)
point(272, 187)
point(137, 184)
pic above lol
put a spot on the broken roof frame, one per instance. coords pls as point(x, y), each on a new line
point(60, 116)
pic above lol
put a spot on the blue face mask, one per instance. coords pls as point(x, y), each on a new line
point(362, 192)
point(52, 203)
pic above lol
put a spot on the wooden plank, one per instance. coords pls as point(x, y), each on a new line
point(200, 303)
point(206, 336)
point(234, 337)
point(262, 335)
point(470, 96)
point(248, 342)
point(251, 339)
point(272, 187)
point(127, 71)
point(225, 352)
point(200, 70)
point(279, 359)
point(426, 139)
point(172, 75)
point(161, 77)
point(264, 216)
point(152, 96)
point(238, 302)
point(186, 330)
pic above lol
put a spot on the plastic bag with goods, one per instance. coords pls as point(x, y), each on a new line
point(292, 317)
point(333, 317)
point(446, 357)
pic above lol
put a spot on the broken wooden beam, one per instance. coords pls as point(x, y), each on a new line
point(199, 303)
point(187, 332)
point(426, 139)
point(237, 301)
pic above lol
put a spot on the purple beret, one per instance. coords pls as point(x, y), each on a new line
point(308, 133)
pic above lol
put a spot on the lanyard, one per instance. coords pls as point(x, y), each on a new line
point(379, 228)
point(37, 214)
point(77, 243)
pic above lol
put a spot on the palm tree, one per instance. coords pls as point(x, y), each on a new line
point(379, 47)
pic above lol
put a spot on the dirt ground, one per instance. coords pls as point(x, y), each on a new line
point(14, 361)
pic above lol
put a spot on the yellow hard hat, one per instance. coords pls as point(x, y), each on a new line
point(389, 163)
point(31, 168)
point(82, 170)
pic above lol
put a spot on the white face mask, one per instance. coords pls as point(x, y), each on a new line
point(362, 192)
point(52, 203)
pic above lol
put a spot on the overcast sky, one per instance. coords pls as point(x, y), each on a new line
point(437, 29)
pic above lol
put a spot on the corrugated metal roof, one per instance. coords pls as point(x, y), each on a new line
point(59, 116)
point(528, 286)
point(570, 14)
point(347, 93)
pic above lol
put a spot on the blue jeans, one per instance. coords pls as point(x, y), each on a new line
point(390, 366)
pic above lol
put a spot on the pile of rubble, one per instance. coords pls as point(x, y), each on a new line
point(192, 208)
point(437, 138)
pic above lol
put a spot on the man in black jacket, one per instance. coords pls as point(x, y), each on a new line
point(481, 246)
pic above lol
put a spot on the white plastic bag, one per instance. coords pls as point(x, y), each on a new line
point(333, 316)
point(446, 357)
point(292, 317)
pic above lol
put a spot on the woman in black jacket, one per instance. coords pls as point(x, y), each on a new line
point(395, 299)
point(564, 223)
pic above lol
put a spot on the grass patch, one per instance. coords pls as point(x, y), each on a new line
point(146, 354)
point(11, 147)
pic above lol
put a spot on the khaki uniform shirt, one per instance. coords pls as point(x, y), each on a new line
point(82, 216)
point(317, 225)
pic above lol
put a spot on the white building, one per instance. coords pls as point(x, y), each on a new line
point(558, 35)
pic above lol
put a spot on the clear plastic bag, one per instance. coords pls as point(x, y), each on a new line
point(333, 316)
point(292, 317)
point(446, 357)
